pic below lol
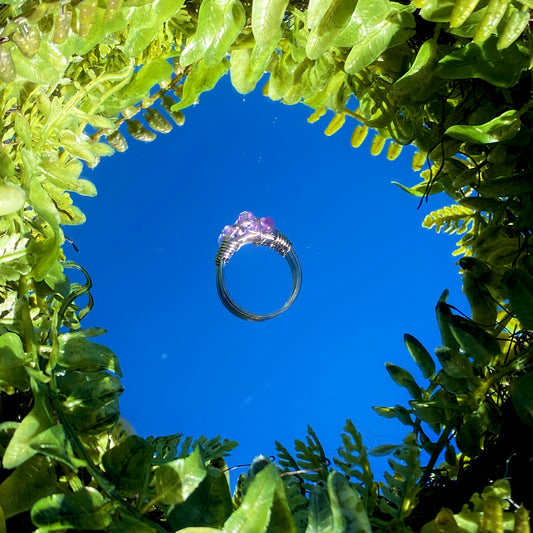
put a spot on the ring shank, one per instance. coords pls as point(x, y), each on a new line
point(229, 303)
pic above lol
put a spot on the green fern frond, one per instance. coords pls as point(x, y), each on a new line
point(354, 462)
point(286, 460)
point(311, 456)
point(166, 448)
point(399, 493)
point(450, 219)
point(311, 463)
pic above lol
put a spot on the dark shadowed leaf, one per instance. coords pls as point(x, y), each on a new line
point(402, 377)
point(128, 464)
point(518, 286)
point(80, 510)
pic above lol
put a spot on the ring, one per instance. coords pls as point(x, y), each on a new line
point(248, 229)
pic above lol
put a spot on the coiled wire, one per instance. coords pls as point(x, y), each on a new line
point(277, 242)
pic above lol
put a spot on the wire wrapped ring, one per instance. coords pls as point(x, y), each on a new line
point(258, 231)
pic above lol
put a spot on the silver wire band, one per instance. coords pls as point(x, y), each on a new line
point(277, 242)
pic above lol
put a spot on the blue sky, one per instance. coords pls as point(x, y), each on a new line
point(370, 274)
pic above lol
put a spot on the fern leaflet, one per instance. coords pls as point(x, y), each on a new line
point(450, 219)
point(399, 494)
point(353, 461)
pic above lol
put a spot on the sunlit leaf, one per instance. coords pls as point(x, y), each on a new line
point(373, 29)
point(421, 189)
point(13, 372)
point(515, 25)
point(234, 18)
point(37, 433)
point(331, 22)
point(209, 505)
point(461, 11)
point(266, 19)
point(146, 22)
point(66, 176)
point(210, 18)
point(177, 480)
point(264, 503)
point(201, 79)
point(144, 80)
point(241, 75)
point(493, 15)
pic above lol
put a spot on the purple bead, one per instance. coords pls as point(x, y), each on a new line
point(228, 230)
point(248, 221)
point(267, 224)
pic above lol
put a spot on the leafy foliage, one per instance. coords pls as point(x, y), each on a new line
point(450, 77)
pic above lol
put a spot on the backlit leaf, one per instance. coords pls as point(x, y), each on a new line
point(402, 377)
point(13, 373)
point(202, 78)
point(266, 19)
point(420, 355)
point(501, 128)
point(515, 25)
point(324, 31)
point(474, 340)
point(264, 503)
point(146, 22)
point(493, 15)
point(234, 18)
